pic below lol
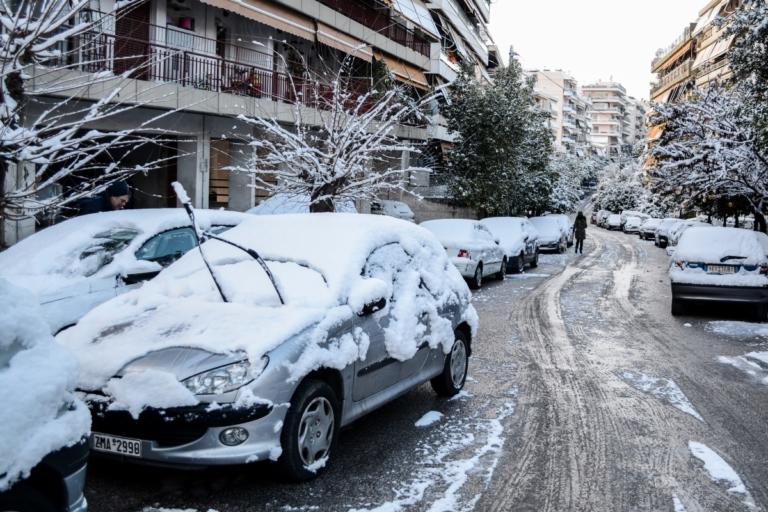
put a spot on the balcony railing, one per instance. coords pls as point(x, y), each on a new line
point(168, 58)
point(375, 15)
point(681, 72)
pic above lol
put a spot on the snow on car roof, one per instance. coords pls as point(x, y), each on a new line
point(317, 261)
point(287, 203)
point(714, 244)
point(451, 230)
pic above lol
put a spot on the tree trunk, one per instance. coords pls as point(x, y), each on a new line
point(323, 205)
point(760, 224)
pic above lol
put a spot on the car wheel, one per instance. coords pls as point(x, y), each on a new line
point(454, 374)
point(477, 280)
point(24, 497)
point(563, 246)
point(518, 264)
point(678, 307)
point(310, 430)
point(503, 270)
point(535, 262)
point(761, 312)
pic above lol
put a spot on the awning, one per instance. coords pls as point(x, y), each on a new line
point(664, 98)
point(405, 72)
point(454, 36)
point(708, 17)
point(340, 41)
point(722, 46)
point(270, 14)
point(417, 12)
point(704, 56)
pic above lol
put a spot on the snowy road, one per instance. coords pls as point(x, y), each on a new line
point(585, 394)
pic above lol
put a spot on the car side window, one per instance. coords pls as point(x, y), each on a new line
point(386, 263)
point(168, 246)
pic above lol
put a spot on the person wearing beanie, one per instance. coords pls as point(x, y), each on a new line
point(115, 197)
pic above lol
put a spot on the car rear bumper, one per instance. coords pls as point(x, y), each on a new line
point(465, 266)
point(709, 293)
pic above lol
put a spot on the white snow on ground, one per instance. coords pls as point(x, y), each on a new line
point(39, 412)
point(526, 276)
point(664, 389)
point(429, 418)
point(461, 448)
point(737, 329)
point(679, 507)
point(754, 364)
point(719, 470)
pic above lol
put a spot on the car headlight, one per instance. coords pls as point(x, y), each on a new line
point(225, 378)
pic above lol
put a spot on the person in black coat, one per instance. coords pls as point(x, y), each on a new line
point(580, 232)
point(115, 197)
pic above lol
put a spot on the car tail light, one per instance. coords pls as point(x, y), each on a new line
point(680, 264)
point(463, 253)
point(764, 269)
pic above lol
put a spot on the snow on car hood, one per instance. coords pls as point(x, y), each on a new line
point(39, 412)
point(316, 260)
point(51, 258)
point(509, 231)
point(713, 244)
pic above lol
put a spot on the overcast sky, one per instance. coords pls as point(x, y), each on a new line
point(592, 39)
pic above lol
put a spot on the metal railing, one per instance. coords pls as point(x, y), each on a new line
point(679, 73)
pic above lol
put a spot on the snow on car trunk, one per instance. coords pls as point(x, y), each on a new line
point(455, 233)
point(39, 412)
point(316, 260)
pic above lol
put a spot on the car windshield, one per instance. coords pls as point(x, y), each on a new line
point(104, 247)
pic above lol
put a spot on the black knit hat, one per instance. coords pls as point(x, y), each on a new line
point(118, 188)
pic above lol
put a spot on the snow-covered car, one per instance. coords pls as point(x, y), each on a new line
point(648, 228)
point(662, 232)
point(44, 427)
point(714, 264)
point(632, 224)
point(237, 365)
point(631, 213)
point(677, 229)
point(566, 226)
point(602, 216)
point(613, 222)
point(279, 204)
point(518, 239)
point(551, 237)
point(593, 218)
point(396, 209)
point(75, 265)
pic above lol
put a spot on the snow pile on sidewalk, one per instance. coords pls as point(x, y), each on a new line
point(738, 329)
point(317, 260)
point(39, 412)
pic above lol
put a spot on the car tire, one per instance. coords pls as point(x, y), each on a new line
point(24, 497)
point(314, 409)
point(477, 279)
point(535, 261)
point(761, 312)
point(678, 307)
point(518, 264)
point(451, 381)
point(563, 247)
point(503, 270)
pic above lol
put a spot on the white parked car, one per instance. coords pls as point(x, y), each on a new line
point(566, 226)
point(602, 216)
point(648, 228)
point(714, 264)
point(519, 240)
point(613, 222)
point(551, 236)
point(396, 209)
point(73, 266)
point(471, 247)
point(631, 213)
point(632, 224)
point(677, 229)
point(661, 238)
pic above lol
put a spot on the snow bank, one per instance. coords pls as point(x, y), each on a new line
point(719, 470)
point(39, 412)
point(318, 262)
point(714, 244)
point(286, 203)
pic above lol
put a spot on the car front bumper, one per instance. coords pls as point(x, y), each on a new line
point(189, 436)
point(710, 293)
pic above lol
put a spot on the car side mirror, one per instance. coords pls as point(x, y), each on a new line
point(139, 271)
point(369, 296)
point(138, 277)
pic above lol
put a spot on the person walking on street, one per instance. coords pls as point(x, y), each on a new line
point(580, 232)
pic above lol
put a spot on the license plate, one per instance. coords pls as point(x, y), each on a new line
point(721, 269)
point(118, 445)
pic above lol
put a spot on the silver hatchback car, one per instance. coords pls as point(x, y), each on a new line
point(295, 327)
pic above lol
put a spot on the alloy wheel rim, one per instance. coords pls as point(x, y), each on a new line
point(316, 430)
point(458, 363)
point(478, 277)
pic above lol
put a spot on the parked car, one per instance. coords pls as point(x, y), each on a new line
point(80, 263)
point(396, 209)
point(566, 226)
point(648, 228)
point(44, 427)
point(518, 239)
point(551, 237)
point(713, 264)
point(677, 230)
point(662, 232)
point(631, 213)
point(593, 218)
point(471, 247)
point(602, 217)
point(279, 204)
point(632, 224)
point(362, 308)
point(613, 222)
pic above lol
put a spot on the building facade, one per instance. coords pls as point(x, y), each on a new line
point(558, 92)
point(608, 111)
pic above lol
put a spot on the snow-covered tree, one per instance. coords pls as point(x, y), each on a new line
point(353, 153)
point(620, 188)
point(40, 150)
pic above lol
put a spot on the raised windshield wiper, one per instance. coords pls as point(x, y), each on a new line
point(187, 203)
point(726, 258)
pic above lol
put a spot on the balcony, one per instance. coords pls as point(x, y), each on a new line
point(176, 56)
point(375, 15)
point(680, 73)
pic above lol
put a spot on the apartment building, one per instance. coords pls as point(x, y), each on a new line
point(205, 62)
point(634, 122)
point(558, 91)
point(698, 57)
point(609, 112)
